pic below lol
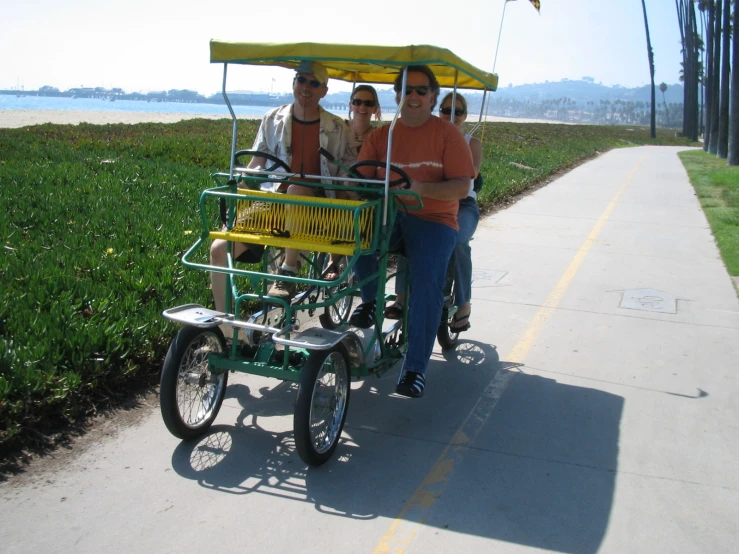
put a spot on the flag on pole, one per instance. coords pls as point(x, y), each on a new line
point(535, 3)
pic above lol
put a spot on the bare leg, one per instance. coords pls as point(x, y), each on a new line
point(218, 280)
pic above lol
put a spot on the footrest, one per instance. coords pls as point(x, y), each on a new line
point(196, 315)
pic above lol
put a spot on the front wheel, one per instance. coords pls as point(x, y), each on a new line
point(321, 406)
point(190, 392)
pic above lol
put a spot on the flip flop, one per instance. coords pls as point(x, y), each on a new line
point(394, 311)
point(459, 328)
point(331, 273)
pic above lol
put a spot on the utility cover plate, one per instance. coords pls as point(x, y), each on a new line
point(649, 300)
point(486, 277)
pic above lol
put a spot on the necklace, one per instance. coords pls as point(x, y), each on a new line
point(367, 130)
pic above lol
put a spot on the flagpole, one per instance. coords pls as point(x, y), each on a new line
point(505, 3)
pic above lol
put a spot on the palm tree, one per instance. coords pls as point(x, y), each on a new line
point(650, 55)
point(733, 155)
point(722, 148)
point(716, 77)
point(663, 89)
point(691, 72)
point(708, 7)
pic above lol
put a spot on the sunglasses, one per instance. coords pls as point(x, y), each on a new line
point(448, 111)
point(302, 80)
point(421, 91)
point(367, 103)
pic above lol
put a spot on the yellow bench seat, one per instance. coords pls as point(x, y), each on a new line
point(302, 222)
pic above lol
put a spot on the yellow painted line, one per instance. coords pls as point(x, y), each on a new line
point(405, 526)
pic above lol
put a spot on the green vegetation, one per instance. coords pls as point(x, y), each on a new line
point(96, 219)
point(717, 187)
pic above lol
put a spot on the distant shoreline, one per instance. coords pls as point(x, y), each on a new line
point(13, 119)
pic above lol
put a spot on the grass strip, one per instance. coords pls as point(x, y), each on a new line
point(717, 187)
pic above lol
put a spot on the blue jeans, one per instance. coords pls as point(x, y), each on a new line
point(467, 218)
point(428, 247)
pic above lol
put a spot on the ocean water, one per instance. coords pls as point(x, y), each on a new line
point(13, 102)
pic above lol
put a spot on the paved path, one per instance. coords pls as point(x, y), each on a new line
point(592, 408)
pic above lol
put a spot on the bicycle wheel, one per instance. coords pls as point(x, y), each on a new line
point(446, 337)
point(190, 392)
point(321, 406)
point(338, 312)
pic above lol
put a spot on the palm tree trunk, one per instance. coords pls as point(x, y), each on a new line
point(650, 55)
point(708, 79)
point(681, 13)
point(733, 157)
point(691, 112)
point(716, 85)
point(723, 116)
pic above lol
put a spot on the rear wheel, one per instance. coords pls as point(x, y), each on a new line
point(190, 392)
point(446, 337)
point(321, 406)
point(338, 312)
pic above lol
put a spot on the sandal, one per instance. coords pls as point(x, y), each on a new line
point(364, 315)
point(455, 326)
point(331, 273)
point(394, 311)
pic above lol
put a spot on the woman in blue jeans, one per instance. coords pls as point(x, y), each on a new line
point(467, 217)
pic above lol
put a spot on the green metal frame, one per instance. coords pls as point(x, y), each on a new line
point(265, 359)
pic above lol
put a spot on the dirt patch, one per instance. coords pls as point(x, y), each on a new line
point(54, 451)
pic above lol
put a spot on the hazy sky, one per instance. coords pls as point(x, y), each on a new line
point(142, 45)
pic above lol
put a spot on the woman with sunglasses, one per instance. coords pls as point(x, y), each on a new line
point(363, 104)
point(467, 217)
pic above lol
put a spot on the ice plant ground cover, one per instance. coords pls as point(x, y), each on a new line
point(96, 218)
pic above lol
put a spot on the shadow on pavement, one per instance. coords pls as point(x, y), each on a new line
point(540, 471)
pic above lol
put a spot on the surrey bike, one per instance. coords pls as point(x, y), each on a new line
point(276, 337)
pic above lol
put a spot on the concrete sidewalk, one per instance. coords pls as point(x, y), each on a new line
point(590, 408)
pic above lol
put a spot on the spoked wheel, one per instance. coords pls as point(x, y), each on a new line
point(337, 313)
point(320, 410)
point(191, 394)
point(446, 337)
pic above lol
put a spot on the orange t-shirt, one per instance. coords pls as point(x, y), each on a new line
point(434, 152)
point(305, 143)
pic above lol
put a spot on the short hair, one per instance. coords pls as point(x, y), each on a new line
point(373, 92)
point(426, 70)
point(461, 99)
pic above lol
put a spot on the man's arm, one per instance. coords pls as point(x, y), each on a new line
point(451, 189)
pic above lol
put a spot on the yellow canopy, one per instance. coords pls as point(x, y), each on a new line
point(357, 63)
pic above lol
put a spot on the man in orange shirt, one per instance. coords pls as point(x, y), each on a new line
point(436, 157)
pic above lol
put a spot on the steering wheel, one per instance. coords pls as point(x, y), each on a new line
point(277, 163)
point(403, 180)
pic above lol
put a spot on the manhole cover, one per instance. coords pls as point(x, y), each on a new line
point(649, 300)
point(486, 277)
